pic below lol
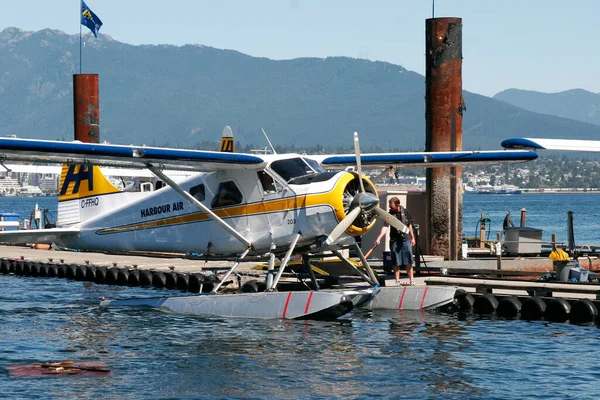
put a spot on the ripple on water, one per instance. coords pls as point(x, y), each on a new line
point(383, 354)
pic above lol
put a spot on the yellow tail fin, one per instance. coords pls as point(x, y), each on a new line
point(227, 143)
point(78, 181)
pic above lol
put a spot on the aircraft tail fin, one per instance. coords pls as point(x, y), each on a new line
point(227, 144)
point(80, 188)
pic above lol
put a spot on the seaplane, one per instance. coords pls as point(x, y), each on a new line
point(234, 206)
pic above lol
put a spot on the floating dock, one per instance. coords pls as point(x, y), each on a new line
point(486, 293)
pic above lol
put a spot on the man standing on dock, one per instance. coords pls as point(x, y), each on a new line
point(400, 243)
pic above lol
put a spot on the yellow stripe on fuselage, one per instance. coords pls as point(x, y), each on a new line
point(332, 198)
point(278, 205)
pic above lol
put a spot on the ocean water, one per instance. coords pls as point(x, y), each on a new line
point(545, 211)
point(382, 354)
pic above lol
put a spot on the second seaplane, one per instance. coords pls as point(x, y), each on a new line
point(233, 206)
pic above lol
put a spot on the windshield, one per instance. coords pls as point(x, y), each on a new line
point(315, 165)
point(292, 168)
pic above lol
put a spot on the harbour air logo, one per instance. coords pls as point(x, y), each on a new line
point(87, 14)
point(84, 173)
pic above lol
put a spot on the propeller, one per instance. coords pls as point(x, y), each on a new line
point(363, 203)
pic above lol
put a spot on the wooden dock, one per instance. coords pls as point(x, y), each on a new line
point(156, 262)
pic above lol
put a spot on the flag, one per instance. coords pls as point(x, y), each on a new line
point(89, 19)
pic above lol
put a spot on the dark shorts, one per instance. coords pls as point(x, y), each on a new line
point(402, 253)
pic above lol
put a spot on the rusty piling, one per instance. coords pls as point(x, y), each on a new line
point(86, 109)
point(443, 113)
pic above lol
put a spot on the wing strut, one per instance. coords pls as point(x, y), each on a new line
point(229, 272)
point(284, 262)
point(156, 171)
point(355, 268)
point(365, 263)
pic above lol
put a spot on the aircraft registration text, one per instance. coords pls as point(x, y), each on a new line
point(90, 202)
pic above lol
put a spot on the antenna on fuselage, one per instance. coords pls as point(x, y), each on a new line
point(266, 137)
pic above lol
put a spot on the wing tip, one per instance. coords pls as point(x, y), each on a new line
point(521, 144)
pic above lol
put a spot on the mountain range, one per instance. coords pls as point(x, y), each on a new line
point(577, 104)
point(182, 96)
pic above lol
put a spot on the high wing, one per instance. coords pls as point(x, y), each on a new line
point(551, 144)
point(427, 159)
point(49, 151)
point(106, 171)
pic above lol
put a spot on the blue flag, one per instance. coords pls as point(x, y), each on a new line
point(89, 19)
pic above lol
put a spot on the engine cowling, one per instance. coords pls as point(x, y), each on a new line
point(347, 187)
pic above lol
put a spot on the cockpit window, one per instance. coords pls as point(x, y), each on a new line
point(315, 165)
point(266, 181)
point(291, 168)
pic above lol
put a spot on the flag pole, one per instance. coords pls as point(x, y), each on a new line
point(80, 37)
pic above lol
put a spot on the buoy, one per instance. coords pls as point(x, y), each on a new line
point(80, 273)
point(509, 307)
point(183, 282)
point(35, 269)
point(134, 278)
point(145, 278)
point(112, 276)
point(209, 283)
point(19, 267)
point(195, 283)
point(250, 286)
point(254, 286)
point(533, 308)
point(71, 271)
point(52, 271)
point(465, 300)
point(27, 268)
point(171, 280)
point(62, 271)
point(100, 277)
point(159, 280)
point(557, 310)
point(90, 273)
point(485, 304)
point(123, 277)
point(43, 272)
point(583, 311)
point(5, 266)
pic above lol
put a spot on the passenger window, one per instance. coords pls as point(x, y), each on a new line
point(266, 181)
point(198, 192)
point(227, 194)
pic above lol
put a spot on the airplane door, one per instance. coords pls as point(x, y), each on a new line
point(267, 195)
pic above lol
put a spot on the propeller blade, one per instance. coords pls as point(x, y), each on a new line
point(342, 226)
point(382, 174)
point(358, 165)
point(390, 219)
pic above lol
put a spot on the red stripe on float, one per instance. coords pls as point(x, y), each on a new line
point(308, 302)
point(424, 294)
point(287, 303)
point(402, 297)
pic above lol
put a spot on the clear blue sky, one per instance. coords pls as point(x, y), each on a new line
point(543, 45)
